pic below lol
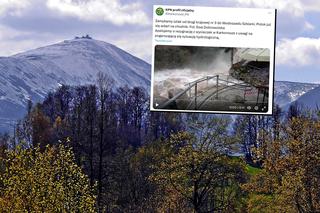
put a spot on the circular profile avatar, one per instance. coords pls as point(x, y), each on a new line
point(159, 11)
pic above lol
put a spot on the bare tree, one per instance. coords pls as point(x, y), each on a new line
point(104, 90)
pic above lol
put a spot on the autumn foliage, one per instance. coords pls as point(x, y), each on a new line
point(120, 157)
point(44, 181)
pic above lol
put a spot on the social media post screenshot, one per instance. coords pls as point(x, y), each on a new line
point(213, 60)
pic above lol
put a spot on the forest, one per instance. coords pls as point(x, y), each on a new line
point(92, 148)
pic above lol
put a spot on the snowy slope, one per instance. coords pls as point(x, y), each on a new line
point(82, 59)
point(34, 73)
point(311, 99)
point(287, 92)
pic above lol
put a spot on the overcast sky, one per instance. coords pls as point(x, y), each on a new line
point(27, 24)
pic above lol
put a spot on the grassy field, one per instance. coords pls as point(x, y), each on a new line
point(252, 170)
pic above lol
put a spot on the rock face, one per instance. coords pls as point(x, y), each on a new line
point(32, 74)
point(254, 73)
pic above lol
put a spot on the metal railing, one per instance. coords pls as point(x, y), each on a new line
point(194, 98)
point(188, 89)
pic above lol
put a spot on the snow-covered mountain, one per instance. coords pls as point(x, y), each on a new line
point(34, 73)
point(310, 99)
point(287, 92)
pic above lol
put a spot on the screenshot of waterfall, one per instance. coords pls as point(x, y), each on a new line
point(215, 60)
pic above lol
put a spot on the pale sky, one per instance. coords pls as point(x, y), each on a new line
point(27, 24)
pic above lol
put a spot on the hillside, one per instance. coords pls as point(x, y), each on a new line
point(32, 74)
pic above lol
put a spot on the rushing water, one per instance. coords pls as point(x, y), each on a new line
point(166, 80)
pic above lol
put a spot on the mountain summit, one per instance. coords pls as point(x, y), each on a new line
point(32, 74)
point(81, 59)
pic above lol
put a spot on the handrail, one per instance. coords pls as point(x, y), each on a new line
point(201, 79)
point(194, 84)
point(226, 87)
point(217, 91)
point(191, 84)
point(175, 97)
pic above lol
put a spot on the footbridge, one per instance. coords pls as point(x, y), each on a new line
point(208, 89)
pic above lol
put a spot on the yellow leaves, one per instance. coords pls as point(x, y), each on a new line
point(58, 122)
point(47, 180)
point(258, 203)
point(291, 169)
point(185, 169)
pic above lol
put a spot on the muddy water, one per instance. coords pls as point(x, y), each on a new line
point(168, 80)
